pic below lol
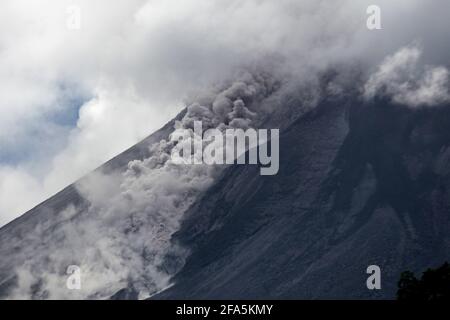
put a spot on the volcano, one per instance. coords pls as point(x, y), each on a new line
point(360, 183)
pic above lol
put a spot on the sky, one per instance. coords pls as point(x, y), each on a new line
point(73, 95)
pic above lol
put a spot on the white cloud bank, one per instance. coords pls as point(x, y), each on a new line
point(132, 63)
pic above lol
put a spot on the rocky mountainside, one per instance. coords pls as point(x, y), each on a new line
point(359, 184)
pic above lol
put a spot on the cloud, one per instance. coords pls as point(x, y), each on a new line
point(131, 67)
point(15, 182)
point(403, 79)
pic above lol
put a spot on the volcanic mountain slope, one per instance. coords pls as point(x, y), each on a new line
point(28, 239)
point(115, 224)
point(359, 184)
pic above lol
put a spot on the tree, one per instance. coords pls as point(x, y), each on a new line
point(433, 286)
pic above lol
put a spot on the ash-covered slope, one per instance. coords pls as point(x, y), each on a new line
point(358, 185)
point(27, 240)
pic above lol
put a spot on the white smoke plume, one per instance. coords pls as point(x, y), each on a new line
point(401, 78)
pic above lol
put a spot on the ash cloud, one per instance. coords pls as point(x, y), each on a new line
point(121, 239)
point(404, 80)
point(132, 64)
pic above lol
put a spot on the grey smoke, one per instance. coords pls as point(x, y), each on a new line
point(135, 62)
point(122, 238)
point(405, 81)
